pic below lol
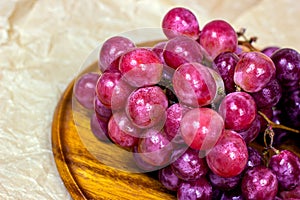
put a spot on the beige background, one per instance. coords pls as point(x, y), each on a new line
point(44, 42)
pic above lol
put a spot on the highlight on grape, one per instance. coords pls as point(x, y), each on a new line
point(192, 105)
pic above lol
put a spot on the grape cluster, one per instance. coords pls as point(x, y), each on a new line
point(191, 106)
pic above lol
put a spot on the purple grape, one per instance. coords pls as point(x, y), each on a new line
point(254, 158)
point(141, 164)
point(292, 109)
point(291, 195)
point(194, 190)
point(259, 183)
point(189, 166)
point(84, 89)
point(224, 184)
point(169, 180)
point(180, 21)
point(251, 133)
point(286, 166)
point(99, 128)
point(218, 36)
point(155, 148)
point(268, 96)
point(287, 62)
point(182, 49)
point(269, 50)
point(101, 111)
point(232, 195)
point(225, 64)
point(111, 49)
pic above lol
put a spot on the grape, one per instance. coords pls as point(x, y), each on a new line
point(84, 89)
point(194, 190)
point(218, 36)
point(224, 184)
point(99, 128)
point(292, 108)
point(146, 107)
point(291, 195)
point(194, 85)
point(229, 156)
point(268, 96)
point(174, 116)
point(112, 90)
point(268, 111)
point(286, 166)
point(238, 110)
point(112, 49)
point(253, 71)
point(254, 158)
point(251, 133)
point(155, 148)
point(280, 134)
point(159, 50)
point(141, 67)
point(182, 49)
point(269, 50)
point(189, 166)
point(201, 128)
point(169, 180)
point(119, 133)
point(180, 21)
point(232, 195)
point(259, 183)
point(101, 111)
point(225, 64)
point(141, 164)
point(287, 62)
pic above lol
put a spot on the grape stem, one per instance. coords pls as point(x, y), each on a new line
point(246, 42)
point(274, 125)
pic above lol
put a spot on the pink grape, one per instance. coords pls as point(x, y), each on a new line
point(174, 115)
point(120, 134)
point(259, 183)
point(180, 21)
point(146, 107)
point(112, 90)
point(218, 36)
point(155, 148)
point(84, 89)
point(201, 128)
point(182, 49)
point(141, 164)
point(141, 67)
point(101, 110)
point(229, 156)
point(194, 85)
point(253, 71)
point(238, 110)
point(111, 49)
point(159, 50)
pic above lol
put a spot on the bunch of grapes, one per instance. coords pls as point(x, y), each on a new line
point(191, 106)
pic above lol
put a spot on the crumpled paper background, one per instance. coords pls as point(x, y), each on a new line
point(42, 45)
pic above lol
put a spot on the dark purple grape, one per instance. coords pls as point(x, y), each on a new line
point(280, 134)
point(269, 96)
point(287, 63)
point(269, 50)
point(224, 184)
point(169, 180)
point(195, 190)
point(232, 195)
point(259, 183)
point(225, 64)
point(292, 109)
point(84, 89)
point(286, 166)
point(189, 166)
point(254, 158)
point(291, 195)
point(252, 132)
